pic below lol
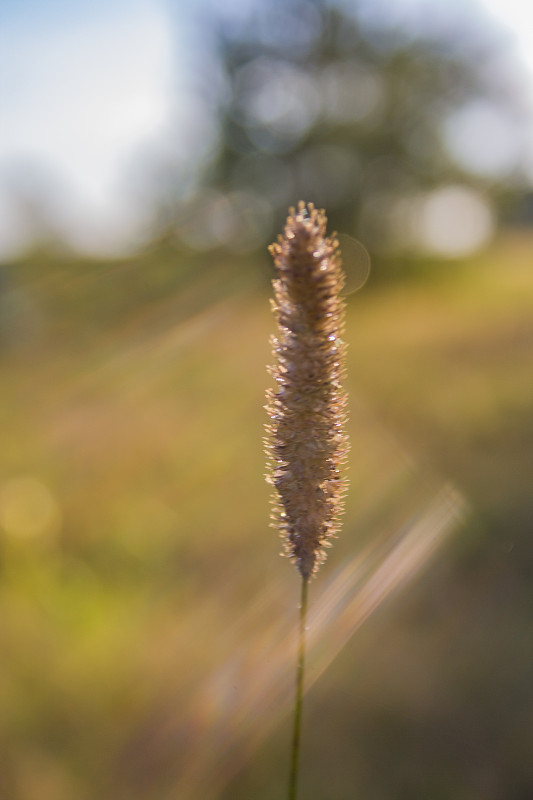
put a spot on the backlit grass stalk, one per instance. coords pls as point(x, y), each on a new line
point(306, 442)
point(299, 692)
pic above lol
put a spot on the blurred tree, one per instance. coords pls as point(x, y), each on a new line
point(345, 108)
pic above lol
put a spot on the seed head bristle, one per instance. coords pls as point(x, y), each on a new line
point(306, 442)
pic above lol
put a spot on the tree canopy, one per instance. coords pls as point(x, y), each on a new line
point(348, 110)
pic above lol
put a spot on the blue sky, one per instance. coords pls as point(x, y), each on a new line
point(91, 91)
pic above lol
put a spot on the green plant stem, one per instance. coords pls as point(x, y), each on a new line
point(298, 699)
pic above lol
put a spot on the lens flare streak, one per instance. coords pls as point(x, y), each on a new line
point(251, 690)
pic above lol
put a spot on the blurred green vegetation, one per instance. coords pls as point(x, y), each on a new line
point(140, 583)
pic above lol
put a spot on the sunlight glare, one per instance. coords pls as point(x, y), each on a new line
point(251, 690)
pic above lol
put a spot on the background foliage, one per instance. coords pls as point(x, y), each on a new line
point(351, 110)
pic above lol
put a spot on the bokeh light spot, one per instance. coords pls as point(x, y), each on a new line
point(276, 99)
point(352, 92)
point(483, 140)
point(356, 262)
point(453, 221)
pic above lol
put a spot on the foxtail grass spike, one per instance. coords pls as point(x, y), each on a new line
point(306, 442)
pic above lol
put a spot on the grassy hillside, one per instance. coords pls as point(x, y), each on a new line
point(145, 615)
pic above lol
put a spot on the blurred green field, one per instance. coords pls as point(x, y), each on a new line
point(145, 615)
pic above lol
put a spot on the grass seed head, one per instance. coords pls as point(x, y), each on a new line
point(306, 442)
